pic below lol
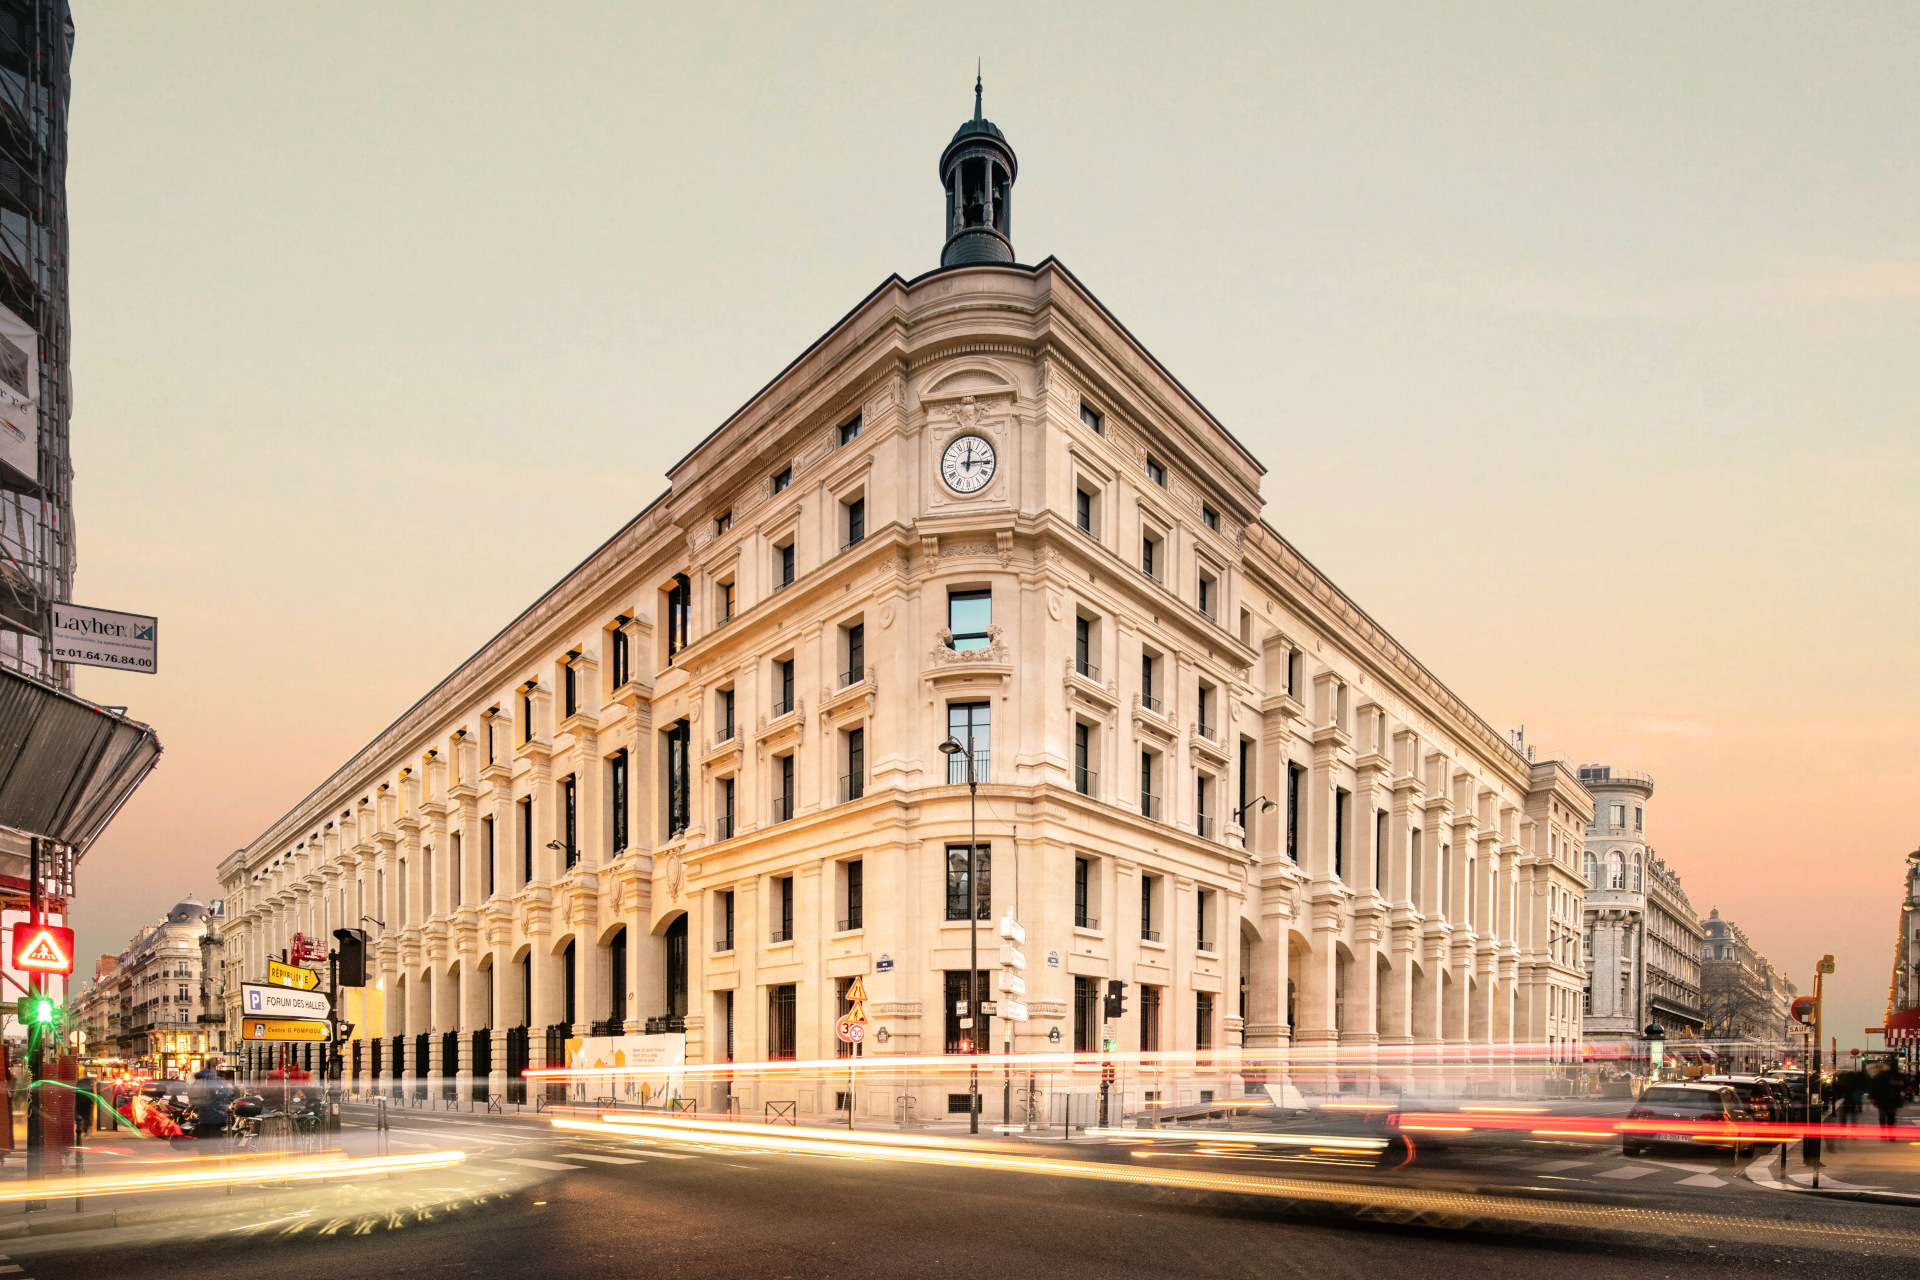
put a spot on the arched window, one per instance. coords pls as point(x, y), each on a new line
point(1616, 870)
point(1636, 873)
point(1591, 865)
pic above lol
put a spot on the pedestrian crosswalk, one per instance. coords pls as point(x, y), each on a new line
point(1607, 1167)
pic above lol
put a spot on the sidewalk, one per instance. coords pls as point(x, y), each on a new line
point(1873, 1169)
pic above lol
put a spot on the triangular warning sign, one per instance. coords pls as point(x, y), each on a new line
point(857, 991)
point(43, 951)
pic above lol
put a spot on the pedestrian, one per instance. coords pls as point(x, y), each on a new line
point(1888, 1089)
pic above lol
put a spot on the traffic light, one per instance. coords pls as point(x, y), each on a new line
point(353, 956)
point(1116, 1002)
point(38, 1012)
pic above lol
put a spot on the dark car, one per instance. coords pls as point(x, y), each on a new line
point(1763, 1097)
point(1699, 1106)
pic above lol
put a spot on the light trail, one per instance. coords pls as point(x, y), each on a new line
point(305, 1170)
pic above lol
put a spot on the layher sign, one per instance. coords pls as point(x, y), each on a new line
point(104, 638)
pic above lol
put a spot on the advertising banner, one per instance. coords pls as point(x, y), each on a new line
point(104, 638)
point(645, 1069)
point(19, 395)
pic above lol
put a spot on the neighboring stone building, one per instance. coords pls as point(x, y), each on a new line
point(1747, 1004)
point(698, 785)
point(1642, 935)
point(144, 1007)
point(1902, 1026)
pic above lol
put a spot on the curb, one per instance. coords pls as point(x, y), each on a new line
point(108, 1219)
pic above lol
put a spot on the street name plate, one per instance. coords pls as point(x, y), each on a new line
point(257, 1000)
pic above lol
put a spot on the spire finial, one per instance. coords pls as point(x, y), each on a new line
point(978, 64)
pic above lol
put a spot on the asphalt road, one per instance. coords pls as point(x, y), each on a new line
point(530, 1202)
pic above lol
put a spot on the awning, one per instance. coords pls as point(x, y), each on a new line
point(66, 765)
point(1904, 1027)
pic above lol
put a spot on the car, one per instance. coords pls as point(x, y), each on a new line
point(1698, 1104)
point(1766, 1099)
point(1794, 1082)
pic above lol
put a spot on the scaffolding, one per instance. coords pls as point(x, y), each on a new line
point(36, 511)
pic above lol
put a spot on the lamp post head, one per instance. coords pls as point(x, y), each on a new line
point(951, 747)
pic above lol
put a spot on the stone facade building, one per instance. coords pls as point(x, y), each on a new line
point(698, 785)
point(146, 1007)
point(1746, 1002)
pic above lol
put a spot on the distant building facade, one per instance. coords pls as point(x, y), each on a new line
point(1746, 1002)
point(1903, 988)
point(145, 1007)
point(1642, 936)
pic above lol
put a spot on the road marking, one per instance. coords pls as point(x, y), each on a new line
point(1700, 1180)
point(1631, 1171)
point(672, 1155)
point(1556, 1166)
point(542, 1164)
point(600, 1159)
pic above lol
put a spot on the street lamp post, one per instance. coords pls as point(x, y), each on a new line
point(950, 748)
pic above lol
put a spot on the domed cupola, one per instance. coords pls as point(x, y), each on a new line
point(978, 169)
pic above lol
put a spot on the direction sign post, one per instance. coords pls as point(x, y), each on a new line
point(295, 976)
point(1008, 981)
point(283, 1030)
point(259, 1000)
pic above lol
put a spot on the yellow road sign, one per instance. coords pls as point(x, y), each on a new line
point(857, 990)
point(290, 975)
point(282, 1029)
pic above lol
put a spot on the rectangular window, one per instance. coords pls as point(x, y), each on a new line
point(1202, 817)
point(781, 1008)
point(1149, 551)
point(1147, 932)
point(570, 814)
point(1083, 510)
point(1203, 1019)
point(1619, 815)
point(1086, 1014)
point(1415, 872)
point(1210, 518)
point(621, 663)
point(782, 787)
point(1149, 802)
point(783, 909)
point(856, 655)
point(1293, 811)
point(1639, 818)
point(1245, 782)
point(679, 616)
point(723, 926)
point(1149, 1019)
point(1204, 705)
point(849, 430)
point(782, 686)
point(486, 849)
point(1294, 663)
point(570, 683)
point(856, 895)
point(1380, 850)
point(1082, 883)
point(1091, 416)
point(722, 523)
point(856, 521)
point(957, 882)
point(526, 715)
point(1340, 806)
point(1203, 902)
point(724, 816)
point(782, 478)
point(1205, 596)
point(1148, 698)
point(967, 725)
point(1082, 647)
point(1156, 473)
point(526, 840)
point(679, 778)
point(617, 786)
point(726, 601)
point(723, 720)
point(854, 784)
point(960, 987)
point(970, 619)
point(783, 567)
point(1083, 774)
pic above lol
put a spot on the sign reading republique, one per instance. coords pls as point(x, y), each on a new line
point(288, 975)
point(104, 638)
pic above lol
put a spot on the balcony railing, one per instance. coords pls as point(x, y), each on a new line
point(1084, 922)
point(1203, 823)
point(1206, 731)
point(723, 943)
point(782, 935)
point(1149, 805)
point(852, 787)
point(723, 827)
point(853, 542)
point(851, 923)
point(1087, 669)
point(1085, 780)
point(1149, 935)
point(782, 808)
point(957, 767)
point(853, 677)
point(781, 708)
point(1152, 704)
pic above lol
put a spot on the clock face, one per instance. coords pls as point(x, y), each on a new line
point(967, 465)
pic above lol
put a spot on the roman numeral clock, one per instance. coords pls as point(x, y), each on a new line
point(968, 463)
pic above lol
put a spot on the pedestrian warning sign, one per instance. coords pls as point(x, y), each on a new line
point(43, 948)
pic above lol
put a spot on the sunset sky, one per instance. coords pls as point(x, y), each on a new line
point(1580, 343)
